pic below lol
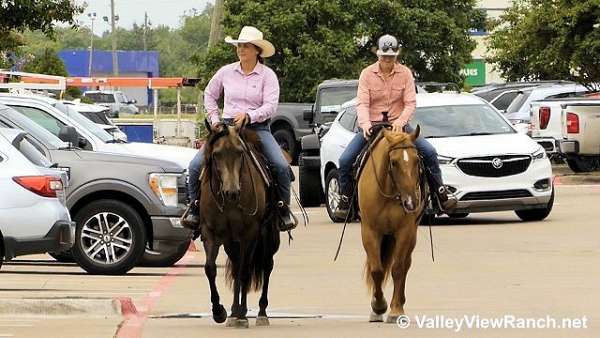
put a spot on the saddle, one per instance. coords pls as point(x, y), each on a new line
point(361, 159)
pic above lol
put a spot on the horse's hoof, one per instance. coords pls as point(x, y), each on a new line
point(391, 319)
point(242, 324)
point(219, 314)
point(231, 321)
point(402, 320)
point(375, 318)
point(379, 307)
point(262, 321)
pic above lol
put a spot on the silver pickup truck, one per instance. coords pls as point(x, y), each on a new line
point(127, 208)
point(569, 128)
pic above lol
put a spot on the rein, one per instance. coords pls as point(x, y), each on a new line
point(221, 203)
point(397, 194)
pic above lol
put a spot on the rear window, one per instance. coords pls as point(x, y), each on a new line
point(101, 97)
point(332, 98)
point(505, 100)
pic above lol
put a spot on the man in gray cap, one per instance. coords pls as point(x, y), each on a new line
point(386, 92)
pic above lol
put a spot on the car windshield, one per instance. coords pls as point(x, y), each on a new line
point(83, 121)
point(332, 98)
point(460, 120)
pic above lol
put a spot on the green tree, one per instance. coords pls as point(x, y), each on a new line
point(47, 63)
point(18, 16)
point(317, 39)
point(542, 40)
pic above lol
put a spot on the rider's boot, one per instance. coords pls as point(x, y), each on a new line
point(288, 220)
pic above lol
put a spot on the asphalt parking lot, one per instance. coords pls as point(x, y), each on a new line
point(487, 265)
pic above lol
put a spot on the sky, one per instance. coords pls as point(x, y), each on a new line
point(160, 12)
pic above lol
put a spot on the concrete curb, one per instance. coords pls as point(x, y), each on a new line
point(102, 307)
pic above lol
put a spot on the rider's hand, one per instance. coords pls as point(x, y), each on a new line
point(398, 125)
point(367, 133)
point(239, 119)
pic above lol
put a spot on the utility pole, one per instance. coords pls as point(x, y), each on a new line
point(115, 61)
point(216, 30)
point(145, 30)
point(92, 17)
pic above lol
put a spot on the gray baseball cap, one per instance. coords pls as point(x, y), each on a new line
point(388, 46)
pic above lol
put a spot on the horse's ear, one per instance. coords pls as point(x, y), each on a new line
point(208, 126)
point(415, 134)
point(388, 136)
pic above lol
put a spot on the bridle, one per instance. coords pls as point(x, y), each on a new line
point(215, 176)
point(396, 194)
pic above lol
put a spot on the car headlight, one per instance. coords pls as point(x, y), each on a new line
point(539, 154)
point(444, 159)
point(165, 188)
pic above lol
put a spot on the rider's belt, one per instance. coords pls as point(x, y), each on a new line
point(264, 123)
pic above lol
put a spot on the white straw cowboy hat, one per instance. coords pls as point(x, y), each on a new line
point(252, 35)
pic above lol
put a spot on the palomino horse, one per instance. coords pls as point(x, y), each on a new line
point(391, 198)
point(235, 204)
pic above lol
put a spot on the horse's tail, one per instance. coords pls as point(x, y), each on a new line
point(388, 242)
point(261, 258)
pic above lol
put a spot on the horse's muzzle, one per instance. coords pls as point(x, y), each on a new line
point(409, 205)
point(232, 195)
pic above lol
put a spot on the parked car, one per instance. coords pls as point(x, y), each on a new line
point(331, 94)
point(486, 164)
point(519, 100)
point(33, 216)
point(53, 115)
point(99, 115)
point(146, 195)
point(115, 100)
point(569, 128)
point(493, 93)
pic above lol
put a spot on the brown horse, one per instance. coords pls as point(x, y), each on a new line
point(235, 204)
point(391, 197)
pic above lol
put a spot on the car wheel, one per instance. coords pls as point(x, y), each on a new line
point(583, 164)
point(533, 215)
point(285, 139)
point(165, 259)
point(333, 195)
point(459, 215)
point(309, 185)
point(63, 257)
point(110, 237)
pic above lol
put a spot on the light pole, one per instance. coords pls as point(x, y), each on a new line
point(92, 17)
point(113, 22)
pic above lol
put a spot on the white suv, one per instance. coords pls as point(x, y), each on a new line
point(33, 215)
point(487, 165)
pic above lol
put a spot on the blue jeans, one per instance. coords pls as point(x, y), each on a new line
point(278, 164)
point(347, 159)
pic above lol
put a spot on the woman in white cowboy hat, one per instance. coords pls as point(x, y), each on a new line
point(251, 92)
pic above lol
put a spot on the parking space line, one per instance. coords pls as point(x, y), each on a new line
point(134, 321)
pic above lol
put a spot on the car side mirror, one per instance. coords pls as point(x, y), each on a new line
point(307, 115)
point(82, 142)
point(69, 134)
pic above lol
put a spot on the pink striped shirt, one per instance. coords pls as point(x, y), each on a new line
point(256, 93)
